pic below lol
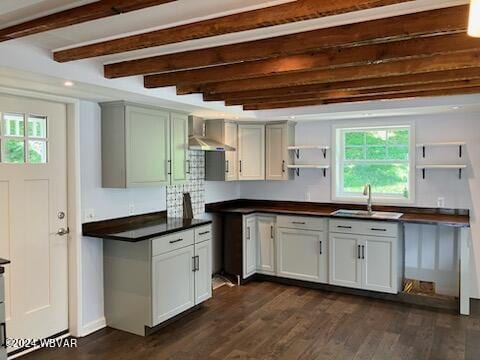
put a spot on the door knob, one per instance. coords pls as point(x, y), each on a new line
point(63, 231)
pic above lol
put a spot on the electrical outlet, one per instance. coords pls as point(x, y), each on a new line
point(131, 209)
point(441, 202)
point(89, 214)
point(307, 196)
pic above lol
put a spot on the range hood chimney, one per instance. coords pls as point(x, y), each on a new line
point(197, 139)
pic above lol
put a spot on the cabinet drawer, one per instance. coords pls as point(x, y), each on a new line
point(172, 242)
point(203, 233)
point(301, 222)
point(364, 227)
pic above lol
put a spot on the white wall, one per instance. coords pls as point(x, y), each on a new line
point(451, 126)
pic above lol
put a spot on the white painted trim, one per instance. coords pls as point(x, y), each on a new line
point(465, 244)
point(74, 202)
point(93, 326)
point(382, 124)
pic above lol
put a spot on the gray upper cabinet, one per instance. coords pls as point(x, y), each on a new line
point(142, 146)
point(278, 138)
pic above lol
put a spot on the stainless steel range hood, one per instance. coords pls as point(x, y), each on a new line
point(197, 139)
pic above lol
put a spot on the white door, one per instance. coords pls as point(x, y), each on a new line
point(345, 260)
point(148, 147)
point(266, 245)
point(298, 254)
point(203, 275)
point(251, 152)
point(33, 204)
point(173, 283)
point(249, 246)
point(276, 148)
point(379, 264)
point(231, 138)
point(179, 148)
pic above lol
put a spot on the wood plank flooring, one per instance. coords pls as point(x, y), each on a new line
point(263, 320)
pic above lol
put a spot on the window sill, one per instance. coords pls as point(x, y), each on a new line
point(375, 200)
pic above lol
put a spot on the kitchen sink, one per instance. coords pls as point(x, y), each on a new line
point(365, 214)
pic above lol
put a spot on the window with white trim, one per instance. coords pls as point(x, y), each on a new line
point(380, 156)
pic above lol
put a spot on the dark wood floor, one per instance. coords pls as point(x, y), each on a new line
point(263, 320)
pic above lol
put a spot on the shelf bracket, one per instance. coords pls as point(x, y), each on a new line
point(297, 153)
point(324, 152)
point(297, 171)
point(324, 172)
point(423, 151)
point(423, 173)
point(460, 173)
point(460, 151)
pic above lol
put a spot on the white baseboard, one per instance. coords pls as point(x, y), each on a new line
point(93, 326)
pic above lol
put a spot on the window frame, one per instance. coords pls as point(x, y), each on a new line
point(338, 149)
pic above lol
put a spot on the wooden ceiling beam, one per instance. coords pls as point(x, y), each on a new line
point(303, 103)
point(326, 59)
point(248, 20)
point(339, 94)
point(442, 21)
point(462, 60)
point(93, 11)
point(378, 83)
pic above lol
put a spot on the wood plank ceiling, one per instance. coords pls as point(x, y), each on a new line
point(421, 54)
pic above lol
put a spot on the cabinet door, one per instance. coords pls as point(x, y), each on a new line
point(266, 245)
point(276, 152)
point(173, 283)
point(379, 260)
point(249, 246)
point(179, 148)
point(251, 152)
point(231, 159)
point(203, 275)
point(345, 263)
point(298, 254)
point(147, 147)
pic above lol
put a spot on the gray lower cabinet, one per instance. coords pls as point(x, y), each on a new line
point(3, 332)
point(151, 281)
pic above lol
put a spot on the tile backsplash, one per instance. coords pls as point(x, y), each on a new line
point(195, 186)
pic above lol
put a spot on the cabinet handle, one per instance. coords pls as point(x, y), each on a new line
point(344, 227)
point(283, 166)
point(240, 165)
point(197, 263)
point(363, 251)
point(204, 233)
point(187, 162)
point(378, 229)
point(4, 335)
point(194, 267)
point(226, 166)
point(169, 167)
point(321, 248)
point(271, 231)
point(248, 233)
point(358, 255)
point(175, 241)
point(299, 222)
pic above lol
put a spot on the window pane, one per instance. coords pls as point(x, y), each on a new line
point(354, 138)
point(354, 153)
point(398, 137)
point(398, 152)
point(37, 126)
point(376, 153)
point(37, 152)
point(14, 151)
point(389, 179)
point(376, 137)
point(14, 124)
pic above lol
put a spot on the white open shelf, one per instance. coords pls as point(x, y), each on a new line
point(297, 167)
point(460, 145)
point(458, 167)
point(297, 149)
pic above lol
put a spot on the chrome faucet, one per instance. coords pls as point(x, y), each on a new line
point(367, 191)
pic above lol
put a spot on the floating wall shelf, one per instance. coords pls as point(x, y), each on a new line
point(297, 149)
point(309, 166)
point(459, 167)
point(460, 145)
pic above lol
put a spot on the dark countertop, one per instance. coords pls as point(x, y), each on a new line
point(140, 227)
point(448, 217)
point(3, 262)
